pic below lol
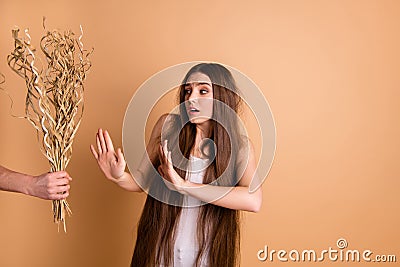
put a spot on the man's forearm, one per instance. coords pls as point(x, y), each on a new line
point(14, 181)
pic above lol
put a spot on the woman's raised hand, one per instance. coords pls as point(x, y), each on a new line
point(167, 171)
point(112, 164)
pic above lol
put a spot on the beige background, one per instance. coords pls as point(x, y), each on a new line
point(329, 69)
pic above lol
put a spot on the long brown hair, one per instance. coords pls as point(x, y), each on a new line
point(218, 229)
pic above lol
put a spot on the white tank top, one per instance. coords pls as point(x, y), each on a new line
point(186, 245)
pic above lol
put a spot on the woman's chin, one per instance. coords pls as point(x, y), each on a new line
point(198, 120)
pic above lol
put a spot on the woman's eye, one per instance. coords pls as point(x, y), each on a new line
point(187, 91)
point(203, 91)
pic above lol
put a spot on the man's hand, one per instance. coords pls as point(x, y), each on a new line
point(54, 185)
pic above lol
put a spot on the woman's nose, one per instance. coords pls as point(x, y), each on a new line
point(193, 95)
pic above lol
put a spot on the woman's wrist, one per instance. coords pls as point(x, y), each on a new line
point(127, 182)
point(120, 178)
point(185, 187)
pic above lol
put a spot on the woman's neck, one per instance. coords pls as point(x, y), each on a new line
point(202, 132)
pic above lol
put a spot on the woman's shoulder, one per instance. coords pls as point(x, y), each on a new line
point(167, 119)
point(245, 143)
point(246, 149)
point(166, 123)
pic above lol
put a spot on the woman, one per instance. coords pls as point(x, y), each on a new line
point(190, 224)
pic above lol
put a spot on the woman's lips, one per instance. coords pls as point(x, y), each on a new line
point(193, 111)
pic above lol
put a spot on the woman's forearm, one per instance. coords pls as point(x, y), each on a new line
point(127, 182)
point(237, 198)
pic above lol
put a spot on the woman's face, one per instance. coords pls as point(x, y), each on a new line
point(199, 98)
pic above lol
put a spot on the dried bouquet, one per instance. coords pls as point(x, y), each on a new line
point(54, 99)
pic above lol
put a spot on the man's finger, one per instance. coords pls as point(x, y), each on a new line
point(59, 196)
point(57, 175)
point(62, 189)
point(62, 181)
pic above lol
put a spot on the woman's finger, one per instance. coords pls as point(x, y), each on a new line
point(165, 148)
point(96, 156)
point(170, 160)
point(161, 154)
point(102, 141)
point(109, 144)
point(160, 171)
point(98, 144)
point(120, 156)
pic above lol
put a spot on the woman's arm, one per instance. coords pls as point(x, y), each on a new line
point(113, 164)
point(238, 197)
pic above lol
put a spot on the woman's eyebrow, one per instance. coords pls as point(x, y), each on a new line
point(198, 83)
point(204, 83)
